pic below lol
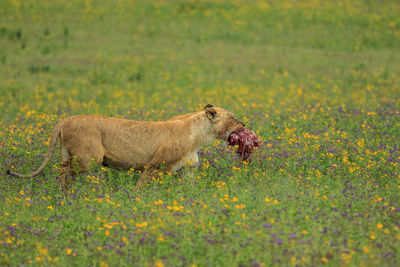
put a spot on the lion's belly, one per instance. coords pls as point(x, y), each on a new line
point(115, 164)
point(191, 159)
point(129, 149)
point(126, 160)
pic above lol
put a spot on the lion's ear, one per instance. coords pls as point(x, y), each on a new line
point(211, 113)
point(208, 106)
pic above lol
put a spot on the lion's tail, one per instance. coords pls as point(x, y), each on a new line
point(55, 135)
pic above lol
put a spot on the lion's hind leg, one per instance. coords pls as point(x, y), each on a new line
point(65, 173)
point(77, 160)
point(65, 167)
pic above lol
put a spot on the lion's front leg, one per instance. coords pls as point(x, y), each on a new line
point(187, 171)
point(188, 167)
point(146, 177)
point(166, 156)
point(188, 174)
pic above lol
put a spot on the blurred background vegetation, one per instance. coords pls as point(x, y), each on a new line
point(110, 57)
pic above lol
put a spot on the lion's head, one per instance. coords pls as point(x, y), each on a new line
point(224, 122)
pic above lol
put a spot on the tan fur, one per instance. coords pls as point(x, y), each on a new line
point(150, 147)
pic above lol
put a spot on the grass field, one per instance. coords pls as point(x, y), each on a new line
point(318, 81)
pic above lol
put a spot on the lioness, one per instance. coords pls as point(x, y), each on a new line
point(150, 147)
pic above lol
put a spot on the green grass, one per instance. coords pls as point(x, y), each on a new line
point(318, 81)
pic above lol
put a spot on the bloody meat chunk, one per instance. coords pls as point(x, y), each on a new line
point(247, 141)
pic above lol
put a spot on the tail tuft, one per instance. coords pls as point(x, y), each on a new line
point(11, 173)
